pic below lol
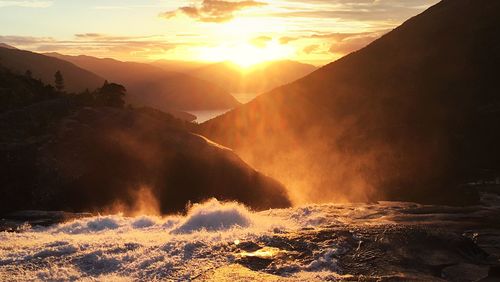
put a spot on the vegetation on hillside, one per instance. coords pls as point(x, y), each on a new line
point(18, 91)
point(88, 151)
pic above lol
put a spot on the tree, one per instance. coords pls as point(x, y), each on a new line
point(112, 94)
point(59, 81)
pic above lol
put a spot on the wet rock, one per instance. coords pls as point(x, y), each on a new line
point(255, 263)
point(248, 246)
point(15, 221)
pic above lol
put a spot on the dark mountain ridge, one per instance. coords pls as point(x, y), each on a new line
point(42, 67)
point(413, 116)
point(3, 45)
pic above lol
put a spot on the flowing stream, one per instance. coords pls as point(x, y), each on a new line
point(385, 241)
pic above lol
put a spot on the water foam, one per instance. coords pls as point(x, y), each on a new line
point(215, 216)
point(115, 247)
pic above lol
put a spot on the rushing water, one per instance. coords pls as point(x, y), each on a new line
point(387, 241)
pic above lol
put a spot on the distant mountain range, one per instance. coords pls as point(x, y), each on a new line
point(171, 86)
point(179, 66)
point(234, 79)
point(155, 87)
point(413, 116)
point(76, 79)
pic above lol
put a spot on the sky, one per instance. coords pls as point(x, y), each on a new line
point(242, 31)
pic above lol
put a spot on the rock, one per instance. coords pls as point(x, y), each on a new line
point(99, 158)
point(465, 272)
point(19, 220)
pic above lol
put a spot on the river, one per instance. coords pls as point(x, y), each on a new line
point(385, 241)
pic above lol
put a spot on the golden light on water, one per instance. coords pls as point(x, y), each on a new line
point(266, 252)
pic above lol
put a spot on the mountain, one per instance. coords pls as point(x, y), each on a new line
point(3, 45)
point(178, 66)
point(415, 115)
point(256, 79)
point(151, 86)
point(43, 67)
point(58, 153)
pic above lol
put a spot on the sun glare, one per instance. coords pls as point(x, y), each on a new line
point(246, 55)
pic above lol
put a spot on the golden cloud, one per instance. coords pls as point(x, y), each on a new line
point(214, 11)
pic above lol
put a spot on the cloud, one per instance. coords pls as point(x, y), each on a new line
point(87, 35)
point(99, 37)
point(334, 36)
point(124, 6)
point(261, 41)
point(26, 3)
point(311, 48)
point(316, 42)
point(354, 42)
point(213, 11)
point(340, 43)
point(96, 44)
point(362, 10)
point(188, 35)
point(25, 40)
point(338, 36)
point(286, 39)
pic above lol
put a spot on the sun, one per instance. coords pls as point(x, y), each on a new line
point(245, 54)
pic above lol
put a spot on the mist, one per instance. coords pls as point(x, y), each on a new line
point(135, 161)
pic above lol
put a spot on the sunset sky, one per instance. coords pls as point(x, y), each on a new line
point(246, 32)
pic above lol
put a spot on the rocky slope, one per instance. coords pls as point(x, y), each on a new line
point(96, 158)
point(412, 116)
point(58, 152)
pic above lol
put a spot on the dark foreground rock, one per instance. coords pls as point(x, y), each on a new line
point(90, 159)
point(20, 220)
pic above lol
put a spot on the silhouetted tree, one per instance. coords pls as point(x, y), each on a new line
point(18, 91)
point(111, 94)
point(59, 81)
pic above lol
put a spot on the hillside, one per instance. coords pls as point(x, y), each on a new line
point(66, 152)
point(178, 66)
point(3, 45)
point(42, 67)
point(413, 116)
point(151, 86)
point(19, 90)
